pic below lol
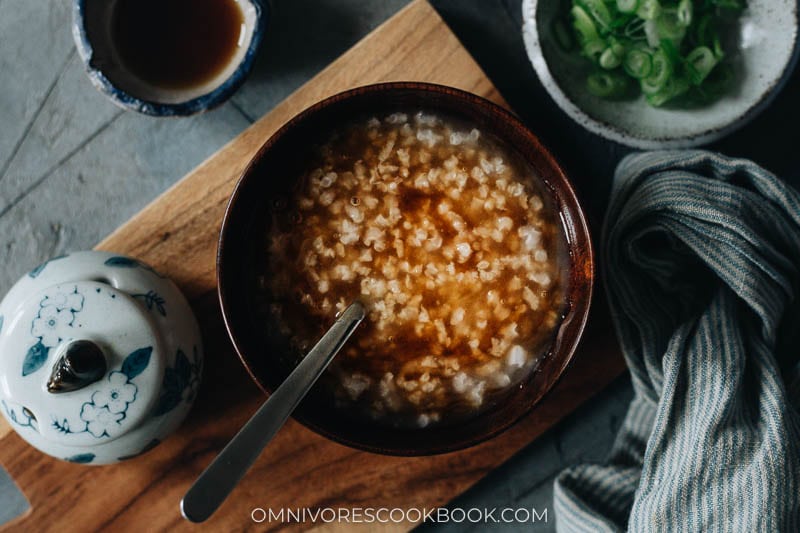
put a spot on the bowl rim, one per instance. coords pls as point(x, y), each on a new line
point(198, 104)
point(530, 34)
point(576, 318)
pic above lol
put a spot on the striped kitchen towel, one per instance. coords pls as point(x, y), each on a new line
point(702, 271)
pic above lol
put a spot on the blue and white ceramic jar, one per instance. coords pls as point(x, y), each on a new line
point(100, 357)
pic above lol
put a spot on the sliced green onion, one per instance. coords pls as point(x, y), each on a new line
point(651, 33)
point(660, 74)
point(672, 52)
point(620, 22)
point(594, 49)
point(609, 59)
point(638, 63)
point(607, 84)
point(672, 48)
point(612, 56)
point(627, 6)
point(701, 61)
point(675, 87)
point(598, 10)
point(706, 35)
point(685, 13)
point(618, 46)
point(648, 9)
point(669, 27)
point(584, 26)
point(634, 29)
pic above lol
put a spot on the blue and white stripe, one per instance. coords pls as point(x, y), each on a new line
point(702, 270)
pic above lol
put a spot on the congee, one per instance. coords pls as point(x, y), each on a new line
point(451, 242)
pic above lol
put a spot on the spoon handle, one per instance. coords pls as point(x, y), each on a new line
point(224, 473)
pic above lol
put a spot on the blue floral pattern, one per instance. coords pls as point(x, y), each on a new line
point(38, 270)
point(109, 404)
point(20, 416)
point(117, 393)
point(81, 458)
point(180, 382)
point(51, 326)
point(153, 301)
point(100, 419)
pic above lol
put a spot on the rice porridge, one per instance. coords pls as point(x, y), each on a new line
point(448, 240)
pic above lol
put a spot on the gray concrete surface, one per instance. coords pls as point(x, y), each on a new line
point(73, 166)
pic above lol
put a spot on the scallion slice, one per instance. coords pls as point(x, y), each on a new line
point(671, 51)
point(634, 28)
point(584, 26)
point(701, 61)
point(675, 87)
point(594, 50)
point(685, 13)
point(651, 33)
point(607, 84)
point(638, 63)
point(598, 11)
point(659, 75)
point(648, 9)
point(627, 6)
point(609, 59)
point(669, 26)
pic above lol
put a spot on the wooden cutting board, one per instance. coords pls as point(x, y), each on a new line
point(177, 234)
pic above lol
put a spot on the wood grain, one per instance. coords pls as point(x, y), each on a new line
point(177, 234)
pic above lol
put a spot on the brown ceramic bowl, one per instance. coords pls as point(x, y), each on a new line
point(241, 251)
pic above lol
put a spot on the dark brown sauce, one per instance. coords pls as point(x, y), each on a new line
point(176, 43)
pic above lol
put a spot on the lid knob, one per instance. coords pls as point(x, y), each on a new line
point(82, 363)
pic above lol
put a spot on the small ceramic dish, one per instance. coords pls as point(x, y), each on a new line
point(100, 357)
point(241, 251)
point(767, 53)
point(91, 29)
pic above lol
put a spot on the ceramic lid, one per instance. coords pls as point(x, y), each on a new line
point(96, 348)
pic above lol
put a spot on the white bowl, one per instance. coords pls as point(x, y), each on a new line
point(768, 50)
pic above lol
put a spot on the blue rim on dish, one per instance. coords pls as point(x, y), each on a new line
point(193, 106)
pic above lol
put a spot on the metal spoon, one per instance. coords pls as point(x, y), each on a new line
point(224, 473)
